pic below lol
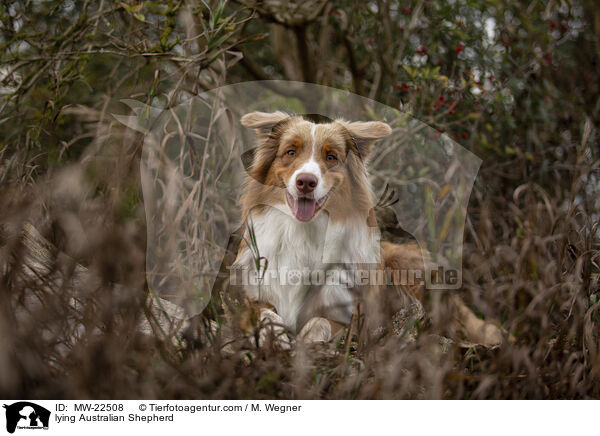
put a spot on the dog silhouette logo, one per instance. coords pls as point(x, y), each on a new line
point(26, 415)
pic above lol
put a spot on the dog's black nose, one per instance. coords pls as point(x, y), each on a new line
point(306, 183)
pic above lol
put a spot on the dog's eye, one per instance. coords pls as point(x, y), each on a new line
point(331, 157)
point(291, 152)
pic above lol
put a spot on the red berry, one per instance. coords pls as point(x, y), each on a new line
point(406, 10)
point(459, 48)
point(552, 25)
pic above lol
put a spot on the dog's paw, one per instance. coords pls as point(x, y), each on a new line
point(315, 330)
point(272, 328)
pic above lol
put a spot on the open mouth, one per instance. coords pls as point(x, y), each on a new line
point(305, 208)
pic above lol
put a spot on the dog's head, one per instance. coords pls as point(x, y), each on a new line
point(319, 166)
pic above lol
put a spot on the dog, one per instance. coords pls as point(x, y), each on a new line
point(308, 211)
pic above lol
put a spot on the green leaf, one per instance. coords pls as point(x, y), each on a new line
point(132, 9)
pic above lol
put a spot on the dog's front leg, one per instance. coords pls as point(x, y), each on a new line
point(272, 326)
point(316, 330)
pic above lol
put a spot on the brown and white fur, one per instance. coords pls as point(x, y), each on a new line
point(308, 199)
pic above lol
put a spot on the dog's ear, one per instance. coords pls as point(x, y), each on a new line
point(366, 133)
point(263, 122)
point(258, 160)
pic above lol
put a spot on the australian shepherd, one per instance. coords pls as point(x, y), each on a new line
point(311, 235)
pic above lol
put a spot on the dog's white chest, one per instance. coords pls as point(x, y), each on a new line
point(299, 257)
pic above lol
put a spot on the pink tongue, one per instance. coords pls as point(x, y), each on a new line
point(304, 209)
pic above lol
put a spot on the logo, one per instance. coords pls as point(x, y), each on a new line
point(26, 415)
point(425, 179)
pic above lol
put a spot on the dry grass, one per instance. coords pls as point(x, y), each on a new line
point(530, 262)
point(71, 309)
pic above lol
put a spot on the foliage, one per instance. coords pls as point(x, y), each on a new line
point(515, 82)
